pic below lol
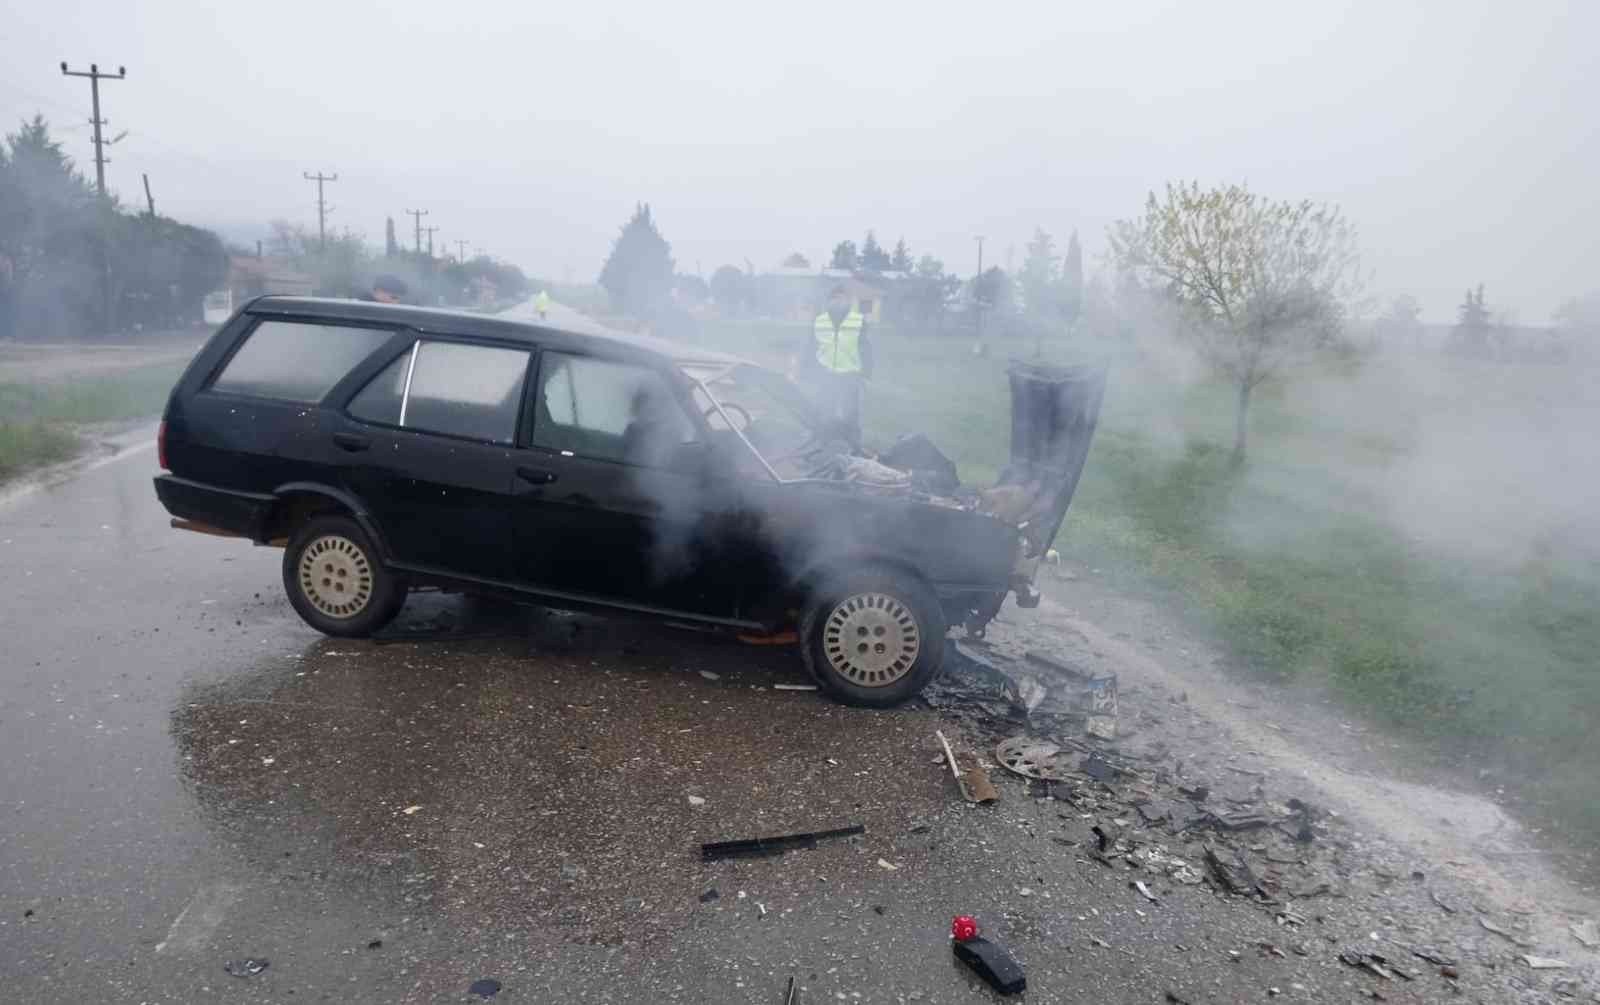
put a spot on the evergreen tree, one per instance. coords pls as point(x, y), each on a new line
point(901, 260)
point(873, 257)
point(638, 272)
point(1071, 295)
point(1473, 325)
point(844, 256)
point(796, 261)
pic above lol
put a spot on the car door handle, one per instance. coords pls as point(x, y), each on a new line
point(351, 442)
point(536, 476)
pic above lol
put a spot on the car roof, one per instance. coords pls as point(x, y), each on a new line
point(587, 335)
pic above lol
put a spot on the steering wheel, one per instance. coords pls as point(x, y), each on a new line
point(730, 409)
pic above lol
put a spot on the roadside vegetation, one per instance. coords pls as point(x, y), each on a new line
point(41, 422)
point(1461, 614)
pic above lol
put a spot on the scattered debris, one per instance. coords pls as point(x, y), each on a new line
point(884, 863)
point(794, 687)
point(697, 800)
point(1106, 836)
point(1374, 963)
point(1433, 956)
point(1443, 906)
point(1138, 884)
point(709, 896)
point(789, 993)
point(1586, 932)
point(409, 810)
point(1490, 926)
point(1544, 963)
point(246, 967)
point(1231, 870)
point(484, 987)
point(1173, 998)
point(708, 675)
point(963, 927)
point(974, 785)
point(991, 962)
point(1098, 768)
point(771, 847)
point(375, 944)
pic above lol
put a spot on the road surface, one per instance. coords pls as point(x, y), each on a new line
point(194, 778)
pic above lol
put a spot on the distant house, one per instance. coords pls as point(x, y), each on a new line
point(254, 276)
point(799, 294)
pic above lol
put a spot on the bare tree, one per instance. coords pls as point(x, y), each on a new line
point(1257, 281)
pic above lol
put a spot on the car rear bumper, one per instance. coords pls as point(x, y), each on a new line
point(242, 513)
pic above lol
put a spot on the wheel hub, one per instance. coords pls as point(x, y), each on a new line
point(336, 576)
point(871, 639)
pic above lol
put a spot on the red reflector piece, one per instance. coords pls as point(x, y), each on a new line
point(161, 446)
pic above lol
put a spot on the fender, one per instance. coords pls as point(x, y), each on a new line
point(358, 510)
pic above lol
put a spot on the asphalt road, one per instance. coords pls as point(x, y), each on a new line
point(193, 777)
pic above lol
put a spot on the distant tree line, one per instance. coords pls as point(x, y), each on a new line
point(344, 265)
point(74, 265)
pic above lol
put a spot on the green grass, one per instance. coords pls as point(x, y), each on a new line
point(1296, 563)
point(39, 422)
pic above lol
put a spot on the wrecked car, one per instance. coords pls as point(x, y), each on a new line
point(388, 448)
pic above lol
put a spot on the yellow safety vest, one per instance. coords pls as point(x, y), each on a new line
point(839, 350)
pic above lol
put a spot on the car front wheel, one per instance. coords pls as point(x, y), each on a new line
point(873, 637)
point(335, 580)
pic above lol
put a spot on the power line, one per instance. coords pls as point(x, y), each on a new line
point(461, 251)
point(322, 204)
point(431, 231)
point(418, 214)
point(95, 76)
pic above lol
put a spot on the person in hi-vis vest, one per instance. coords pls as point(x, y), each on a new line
point(834, 360)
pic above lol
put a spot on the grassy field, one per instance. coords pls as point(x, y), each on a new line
point(1403, 536)
point(40, 421)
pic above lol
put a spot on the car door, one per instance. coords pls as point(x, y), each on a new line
point(429, 448)
point(614, 503)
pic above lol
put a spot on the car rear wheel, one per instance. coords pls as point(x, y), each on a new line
point(335, 580)
point(873, 637)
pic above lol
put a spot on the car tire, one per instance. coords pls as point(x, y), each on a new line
point(336, 581)
point(872, 637)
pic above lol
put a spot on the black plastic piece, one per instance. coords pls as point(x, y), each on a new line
point(993, 964)
point(771, 847)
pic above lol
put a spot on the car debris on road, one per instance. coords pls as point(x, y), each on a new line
point(772, 847)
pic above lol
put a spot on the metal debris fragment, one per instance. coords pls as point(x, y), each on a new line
point(1231, 870)
point(246, 967)
point(484, 987)
point(1490, 926)
point(771, 847)
point(1544, 963)
point(1586, 932)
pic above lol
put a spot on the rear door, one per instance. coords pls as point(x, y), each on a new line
point(428, 446)
point(613, 502)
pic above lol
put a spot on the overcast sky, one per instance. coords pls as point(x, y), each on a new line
point(1461, 137)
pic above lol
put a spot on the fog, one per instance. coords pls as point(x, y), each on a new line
point(1459, 136)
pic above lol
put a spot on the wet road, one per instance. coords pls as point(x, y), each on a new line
point(193, 777)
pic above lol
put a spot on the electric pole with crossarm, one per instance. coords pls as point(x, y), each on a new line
point(418, 214)
point(322, 204)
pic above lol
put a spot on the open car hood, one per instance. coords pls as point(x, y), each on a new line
point(1054, 411)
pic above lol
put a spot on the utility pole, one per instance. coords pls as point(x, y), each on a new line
point(461, 251)
point(95, 76)
point(977, 302)
point(149, 199)
point(418, 214)
point(431, 231)
point(322, 204)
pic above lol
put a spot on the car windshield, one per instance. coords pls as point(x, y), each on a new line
point(767, 413)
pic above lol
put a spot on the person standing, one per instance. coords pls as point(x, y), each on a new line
point(541, 303)
point(835, 361)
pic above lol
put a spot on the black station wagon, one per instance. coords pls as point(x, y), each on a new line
point(388, 447)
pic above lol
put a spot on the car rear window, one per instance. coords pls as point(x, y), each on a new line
point(296, 361)
point(474, 391)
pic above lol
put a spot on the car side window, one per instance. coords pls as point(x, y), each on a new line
point(472, 391)
point(608, 411)
point(297, 361)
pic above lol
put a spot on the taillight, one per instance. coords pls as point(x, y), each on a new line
point(161, 446)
